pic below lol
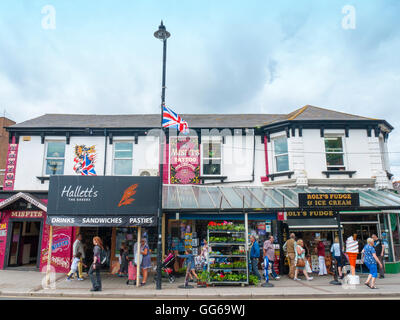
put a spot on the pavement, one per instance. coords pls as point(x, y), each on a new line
point(25, 284)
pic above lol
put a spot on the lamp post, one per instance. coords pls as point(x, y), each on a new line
point(163, 35)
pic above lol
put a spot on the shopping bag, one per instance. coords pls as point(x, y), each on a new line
point(132, 271)
point(308, 268)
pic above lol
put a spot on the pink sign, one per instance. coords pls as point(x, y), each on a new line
point(61, 248)
point(10, 169)
point(185, 160)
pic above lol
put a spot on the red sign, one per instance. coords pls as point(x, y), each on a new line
point(281, 216)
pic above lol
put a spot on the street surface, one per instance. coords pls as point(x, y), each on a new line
point(28, 284)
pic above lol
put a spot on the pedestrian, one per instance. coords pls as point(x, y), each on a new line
point(146, 259)
point(123, 270)
point(96, 265)
point(380, 253)
point(269, 255)
point(205, 250)
point(289, 248)
point(352, 252)
point(254, 256)
point(190, 263)
point(300, 260)
point(371, 260)
point(321, 257)
point(78, 247)
point(335, 251)
point(74, 267)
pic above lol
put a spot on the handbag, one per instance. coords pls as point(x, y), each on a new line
point(300, 263)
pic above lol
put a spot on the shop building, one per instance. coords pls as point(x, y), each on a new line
point(267, 158)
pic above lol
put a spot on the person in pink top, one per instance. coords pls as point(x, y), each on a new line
point(321, 257)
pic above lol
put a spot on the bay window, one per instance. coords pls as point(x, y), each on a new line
point(123, 158)
point(55, 157)
point(281, 155)
point(334, 152)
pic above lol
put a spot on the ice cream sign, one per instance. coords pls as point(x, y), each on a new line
point(61, 242)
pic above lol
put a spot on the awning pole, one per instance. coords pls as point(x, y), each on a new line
point(339, 232)
point(49, 256)
point(163, 236)
point(391, 237)
point(246, 227)
point(138, 257)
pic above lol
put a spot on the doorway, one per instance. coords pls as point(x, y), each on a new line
point(24, 244)
point(88, 233)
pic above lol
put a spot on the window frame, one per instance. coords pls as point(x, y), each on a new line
point(217, 140)
point(52, 158)
point(343, 153)
point(275, 156)
point(113, 156)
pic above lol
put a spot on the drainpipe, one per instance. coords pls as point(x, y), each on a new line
point(105, 152)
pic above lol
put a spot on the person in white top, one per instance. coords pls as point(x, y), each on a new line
point(335, 251)
point(352, 252)
point(78, 247)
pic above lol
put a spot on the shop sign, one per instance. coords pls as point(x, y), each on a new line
point(103, 221)
point(300, 214)
point(329, 200)
point(185, 160)
point(26, 214)
point(102, 200)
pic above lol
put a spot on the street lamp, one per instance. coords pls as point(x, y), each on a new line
point(163, 35)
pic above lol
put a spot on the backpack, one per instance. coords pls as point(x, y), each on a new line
point(103, 257)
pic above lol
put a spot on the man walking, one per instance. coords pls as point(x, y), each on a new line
point(78, 247)
point(289, 246)
point(254, 256)
point(269, 255)
point(380, 253)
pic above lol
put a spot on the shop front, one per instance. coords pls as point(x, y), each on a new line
point(117, 209)
point(24, 235)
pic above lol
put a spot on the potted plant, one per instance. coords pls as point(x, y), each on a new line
point(203, 278)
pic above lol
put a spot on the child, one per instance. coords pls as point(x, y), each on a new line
point(190, 260)
point(74, 267)
point(123, 271)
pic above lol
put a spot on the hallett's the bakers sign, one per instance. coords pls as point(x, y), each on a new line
point(102, 200)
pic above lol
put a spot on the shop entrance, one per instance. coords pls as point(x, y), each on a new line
point(24, 243)
point(88, 233)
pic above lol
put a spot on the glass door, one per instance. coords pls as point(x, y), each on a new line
point(15, 243)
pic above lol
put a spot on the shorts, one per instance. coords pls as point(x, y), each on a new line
point(373, 269)
point(339, 261)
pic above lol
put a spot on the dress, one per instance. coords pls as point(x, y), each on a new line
point(370, 261)
point(301, 256)
point(146, 261)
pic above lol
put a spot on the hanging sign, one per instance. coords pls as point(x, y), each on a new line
point(329, 200)
point(103, 200)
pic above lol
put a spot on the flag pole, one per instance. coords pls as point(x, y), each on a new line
point(163, 35)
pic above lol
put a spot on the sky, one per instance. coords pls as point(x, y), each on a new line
point(224, 56)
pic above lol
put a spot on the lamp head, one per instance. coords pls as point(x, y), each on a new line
point(162, 33)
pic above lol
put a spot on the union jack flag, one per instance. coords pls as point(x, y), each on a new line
point(85, 167)
point(171, 119)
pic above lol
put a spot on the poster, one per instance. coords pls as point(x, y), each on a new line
point(61, 249)
point(185, 160)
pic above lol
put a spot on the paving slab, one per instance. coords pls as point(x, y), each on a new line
point(29, 284)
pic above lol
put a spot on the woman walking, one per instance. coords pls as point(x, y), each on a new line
point(335, 251)
point(95, 267)
point(299, 260)
point(146, 260)
point(370, 259)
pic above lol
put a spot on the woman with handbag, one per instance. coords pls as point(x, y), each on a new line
point(300, 260)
